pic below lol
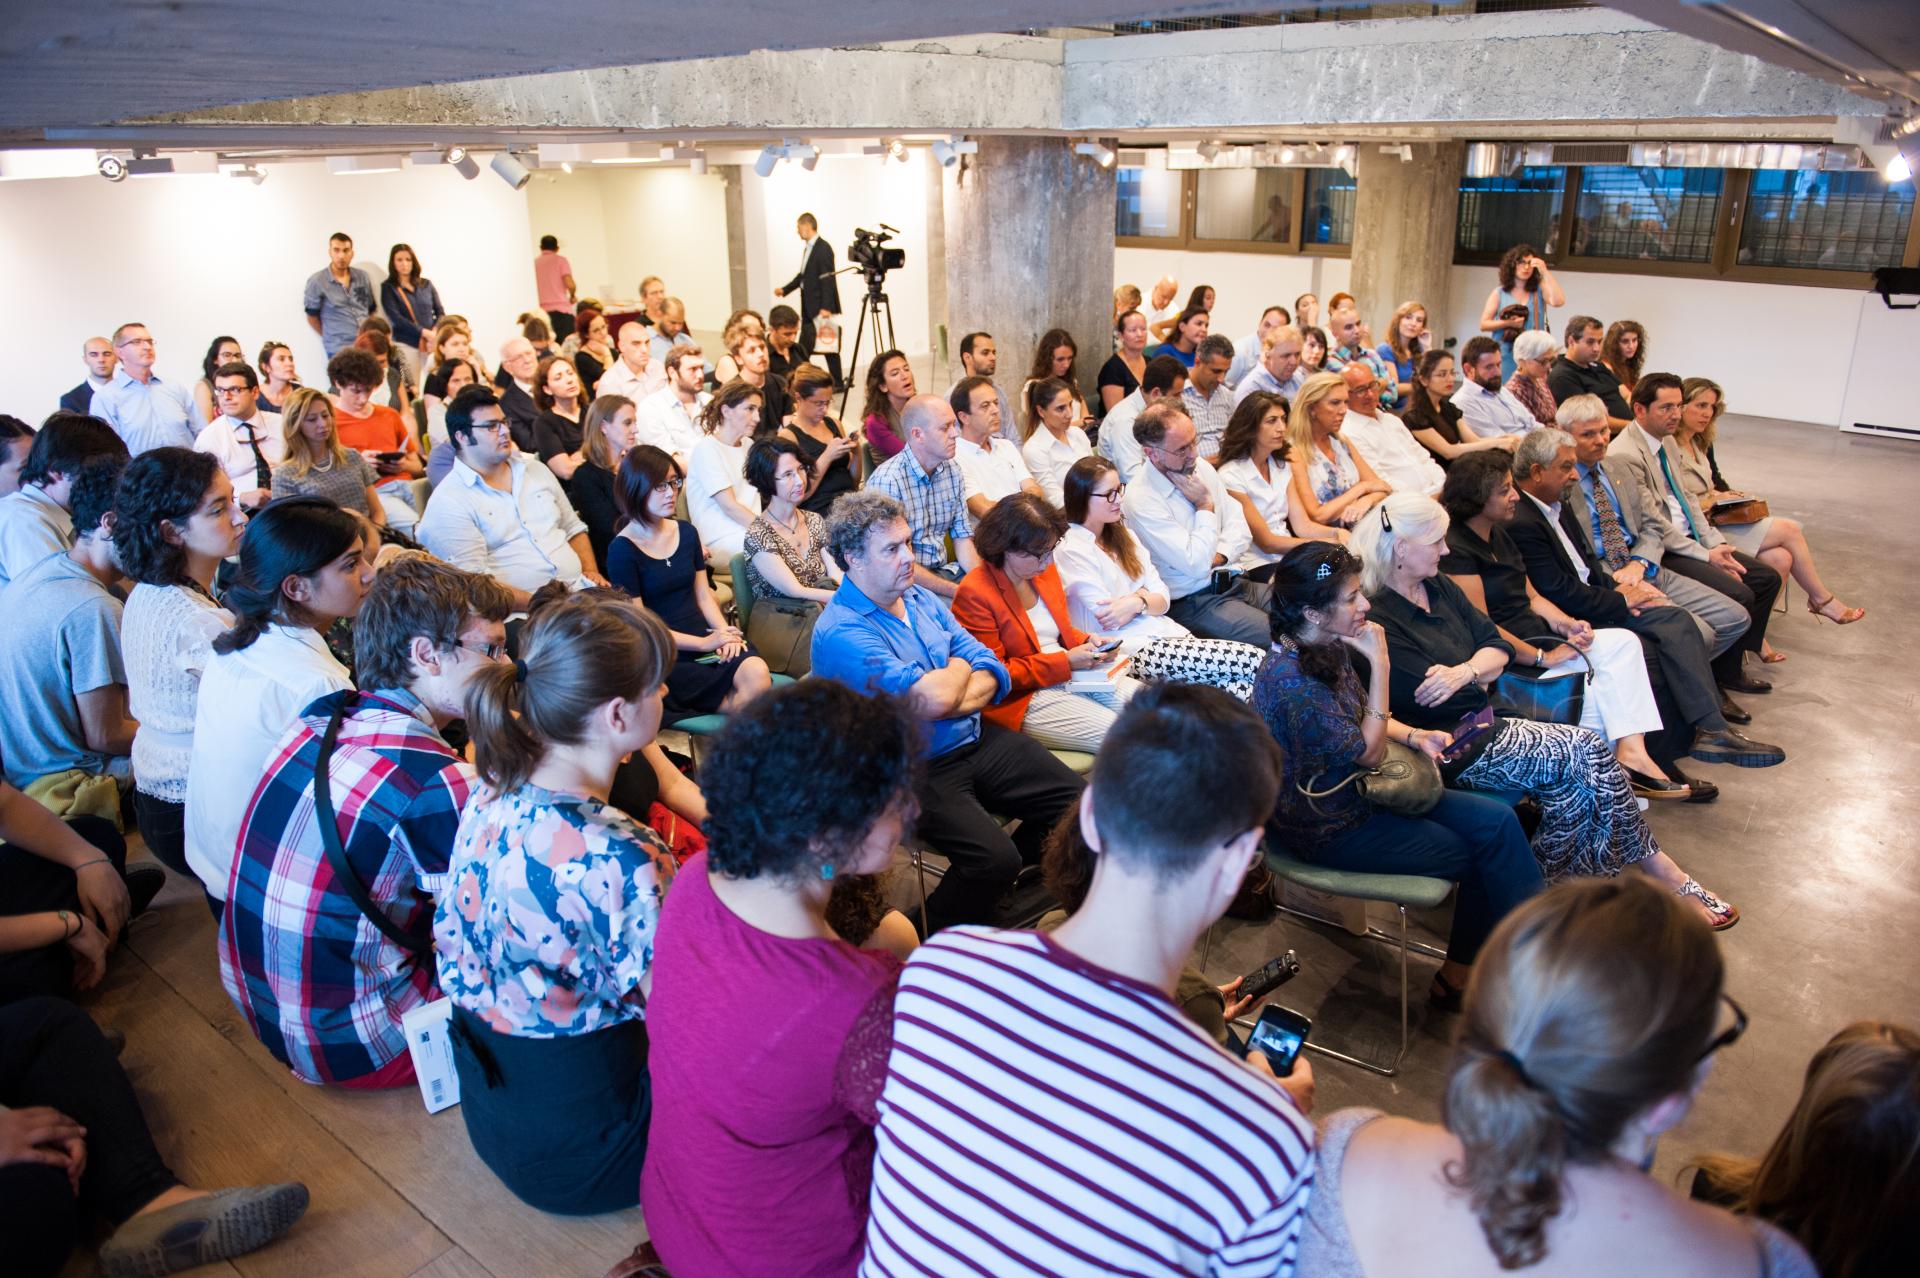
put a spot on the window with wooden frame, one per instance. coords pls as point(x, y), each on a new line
point(1234, 210)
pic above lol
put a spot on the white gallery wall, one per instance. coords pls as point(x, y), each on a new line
point(197, 256)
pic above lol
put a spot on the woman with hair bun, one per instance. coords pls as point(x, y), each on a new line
point(544, 937)
point(1591, 1023)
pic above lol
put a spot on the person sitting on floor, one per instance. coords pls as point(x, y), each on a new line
point(303, 565)
point(322, 983)
point(1589, 1029)
point(176, 521)
point(885, 633)
point(63, 682)
point(760, 1150)
point(659, 561)
point(1015, 604)
point(544, 936)
point(1058, 1070)
point(1329, 723)
point(74, 1144)
point(1843, 1175)
point(34, 518)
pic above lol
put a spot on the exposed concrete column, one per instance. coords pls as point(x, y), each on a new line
point(731, 174)
point(1029, 247)
point(1403, 225)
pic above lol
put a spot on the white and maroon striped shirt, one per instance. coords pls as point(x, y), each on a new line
point(1043, 1116)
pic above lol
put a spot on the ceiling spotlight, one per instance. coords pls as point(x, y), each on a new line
point(511, 171)
point(112, 168)
point(252, 172)
point(1342, 153)
point(770, 155)
point(1288, 155)
point(566, 166)
point(804, 154)
point(463, 164)
point(1208, 150)
point(897, 150)
point(1102, 154)
point(1899, 168)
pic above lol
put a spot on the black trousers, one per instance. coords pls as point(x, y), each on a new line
point(163, 826)
point(52, 1054)
point(32, 885)
point(1003, 774)
point(1756, 592)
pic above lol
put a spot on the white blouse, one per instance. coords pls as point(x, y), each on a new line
point(166, 640)
point(1269, 498)
point(1091, 577)
point(1050, 459)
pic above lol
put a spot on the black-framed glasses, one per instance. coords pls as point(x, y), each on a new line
point(1113, 495)
point(1728, 1036)
point(491, 651)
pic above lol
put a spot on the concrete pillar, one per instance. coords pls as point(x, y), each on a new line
point(1403, 224)
point(732, 176)
point(1029, 247)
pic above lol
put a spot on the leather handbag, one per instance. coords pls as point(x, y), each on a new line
point(781, 631)
point(1750, 511)
point(1524, 694)
point(1406, 782)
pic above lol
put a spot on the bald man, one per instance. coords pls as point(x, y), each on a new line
point(925, 478)
point(518, 364)
point(97, 353)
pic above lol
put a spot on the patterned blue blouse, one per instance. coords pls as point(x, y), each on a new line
point(1318, 729)
point(547, 924)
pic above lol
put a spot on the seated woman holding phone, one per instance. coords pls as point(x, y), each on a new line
point(1443, 655)
point(1329, 723)
point(1067, 685)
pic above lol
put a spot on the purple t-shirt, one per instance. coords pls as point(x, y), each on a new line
point(767, 1056)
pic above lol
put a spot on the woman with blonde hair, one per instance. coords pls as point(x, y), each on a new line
point(318, 464)
point(1777, 541)
point(1843, 1175)
point(1330, 484)
point(609, 429)
point(1592, 1018)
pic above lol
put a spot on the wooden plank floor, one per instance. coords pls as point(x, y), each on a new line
point(397, 1192)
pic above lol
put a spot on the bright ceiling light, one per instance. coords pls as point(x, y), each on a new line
point(463, 163)
point(897, 150)
point(566, 166)
point(1899, 168)
point(511, 171)
point(112, 168)
point(1342, 153)
point(1288, 155)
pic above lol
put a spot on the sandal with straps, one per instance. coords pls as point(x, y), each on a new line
point(1847, 615)
point(1722, 914)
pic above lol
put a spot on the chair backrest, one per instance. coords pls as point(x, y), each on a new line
point(742, 591)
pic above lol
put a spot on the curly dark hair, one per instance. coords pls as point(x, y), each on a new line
point(1471, 483)
point(845, 759)
point(92, 497)
point(1510, 268)
point(1311, 575)
point(162, 484)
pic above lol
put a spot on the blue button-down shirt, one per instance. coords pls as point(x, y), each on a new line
point(864, 646)
point(340, 307)
point(936, 504)
point(149, 414)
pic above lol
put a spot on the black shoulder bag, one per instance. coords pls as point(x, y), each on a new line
point(336, 851)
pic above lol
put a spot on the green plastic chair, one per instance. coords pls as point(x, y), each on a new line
point(742, 591)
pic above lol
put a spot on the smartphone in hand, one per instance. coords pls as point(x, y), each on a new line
point(1280, 1034)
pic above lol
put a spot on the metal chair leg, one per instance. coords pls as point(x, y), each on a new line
point(1405, 945)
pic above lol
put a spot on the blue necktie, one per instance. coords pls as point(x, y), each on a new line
point(1686, 513)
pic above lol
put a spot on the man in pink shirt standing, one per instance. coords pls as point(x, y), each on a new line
point(553, 275)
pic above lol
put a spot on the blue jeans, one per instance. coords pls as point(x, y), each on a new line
point(1468, 838)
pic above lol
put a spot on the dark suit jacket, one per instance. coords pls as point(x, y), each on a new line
point(79, 399)
point(819, 287)
point(1554, 575)
point(522, 413)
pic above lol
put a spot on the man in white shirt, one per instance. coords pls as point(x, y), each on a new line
point(669, 419)
point(248, 443)
point(34, 519)
point(147, 411)
point(991, 465)
point(979, 357)
point(1278, 372)
point(1207, 398)
point(633, 374)
point(1247, 352)
point(1487, 408)
point(502, 513)
point(1163, 307)
point(1384, 439)
point(1163, 378)
point(1194, 531)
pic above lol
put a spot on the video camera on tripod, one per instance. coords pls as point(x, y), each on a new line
point(872, 259)
point(875, 261)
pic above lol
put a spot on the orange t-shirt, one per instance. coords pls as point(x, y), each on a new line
point(380, 431)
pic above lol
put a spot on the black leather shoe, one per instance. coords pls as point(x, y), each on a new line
point(1745, 683)
point(143, 884)
point(1736, 748)
point(1730, 711)
point(1657, 787)
point(1703, 791)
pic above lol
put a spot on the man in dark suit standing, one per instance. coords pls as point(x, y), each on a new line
point(819, 289)
point(98, 353)
point(1563, 569)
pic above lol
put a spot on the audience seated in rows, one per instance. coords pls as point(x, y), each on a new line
point(1124, 370)
point(1330, 485)
point(1053, 357)
point(992, 465)
point(1349, 345)
point(319, 465)
point(720, 502)
point(322, 979)
point(278, 375)
point(884, 632)
point(1164, 378)
point(558, 431)
point(442, 384)
point(889, 386)
point(1435, 419)
point(16, 441)
point(144, 409)
point(1249, 350)
point(1182, 340)
point(1532, 353)
point(1488, 409)
point(633, 374)
point(382, 436)
point(1383, 440)
point(36, 518)
point(1278, 369)
point(787, 567)
point(1579, 371)
point(926, 481)
point(304, 564)
point(1207, 397)
point(518, 375)
point(1407, 340)
point(1253, 467)
point(659, 561)
point(1053, 442)
point(248, 442)
point(831, 456)
point(671, 417)
point(609, 428)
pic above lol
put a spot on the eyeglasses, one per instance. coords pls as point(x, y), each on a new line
point(674, 484)
point(136, 341)
point(1113, 495)
point(1728, 1036)
point(491, 651)
point(231, 390)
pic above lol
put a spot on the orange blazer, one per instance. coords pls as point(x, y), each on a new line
point(991, 612)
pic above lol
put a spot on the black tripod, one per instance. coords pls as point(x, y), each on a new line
point(874, 304)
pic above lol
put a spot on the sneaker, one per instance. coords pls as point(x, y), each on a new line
point(200, 1231)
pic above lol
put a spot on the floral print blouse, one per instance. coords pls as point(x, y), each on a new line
point(547, 924)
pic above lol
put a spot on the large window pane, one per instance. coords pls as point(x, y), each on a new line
point(1658, 214)
point(1497, 213)
point(1147, 203)
point(1329, 207)
point(1244, 204)
point(1826, 221)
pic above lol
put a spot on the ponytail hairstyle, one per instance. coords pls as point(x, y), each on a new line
point(1039, 394)
point(291, 537)
point(1312, 575)
point(1589, 1004)
point(732, 395)
point(577, 653)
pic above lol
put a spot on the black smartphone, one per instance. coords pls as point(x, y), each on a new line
point(1264, 980)
point(1280, 1034)
point(389, 457)
point(1108, 646)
